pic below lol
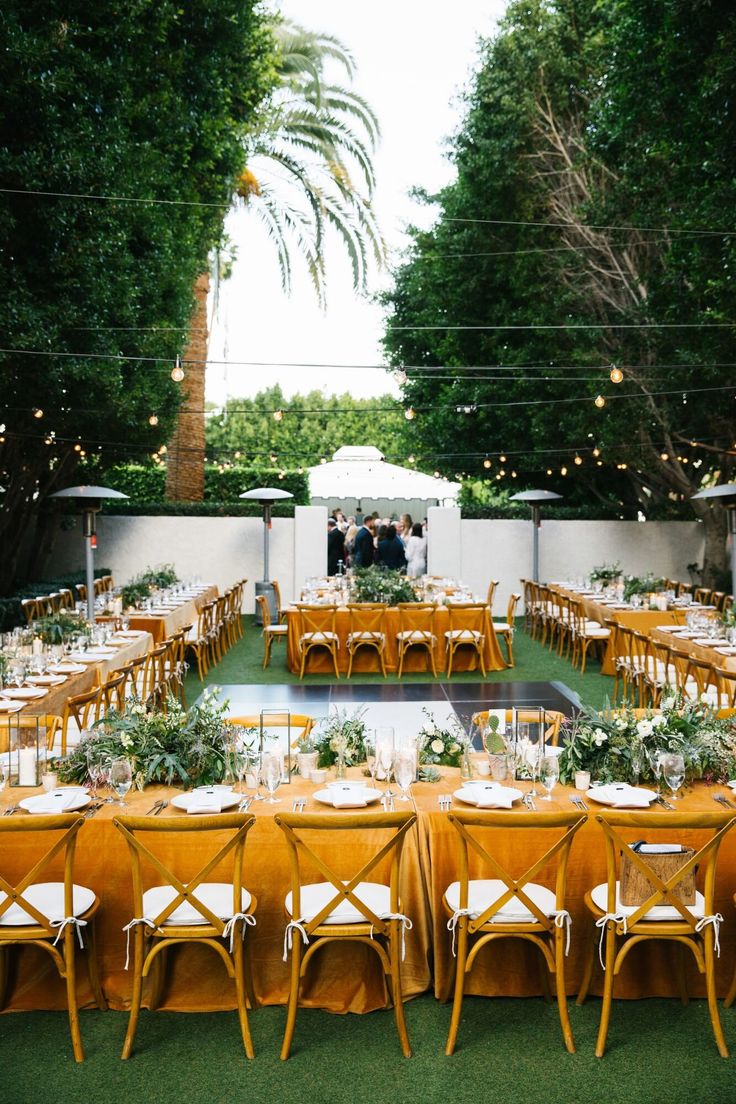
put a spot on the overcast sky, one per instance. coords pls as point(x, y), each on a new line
point(413, 62)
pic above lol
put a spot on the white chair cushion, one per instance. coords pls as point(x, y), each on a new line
point(276, 630)
point(659, 912)
point(314, 898)
point(502, 626)
point(483, 892)
point(598, 632)
point(416, 636)
point(472, 635)
point(217, 896)
point(48, 898)
point(354, 637)
point(318, 637)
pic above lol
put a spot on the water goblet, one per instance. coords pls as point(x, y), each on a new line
point(404, 771)
point(121, 778)
point(673, 768)
point(371, 761)
point(271, 773)
point(655, 760)
point(549, 773)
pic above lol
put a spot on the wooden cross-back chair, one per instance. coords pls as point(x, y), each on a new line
point(317, 630)
point(491, 592)
point(469, 622)
point(510, 905)
point(506, 628)
point(199, 639)
point(188, 910)
point(662, 915)
point(269, 631)
point(416, 630)
point(48, 726)
point(280, 611)
point(300, 724)
point(366, 624)
point(344, 910)
point(80, 711)
point(56, 916)
point(551, 718)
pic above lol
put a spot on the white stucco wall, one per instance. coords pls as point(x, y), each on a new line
point(222, 550)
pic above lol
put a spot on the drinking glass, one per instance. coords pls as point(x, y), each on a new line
point(3, 775)
point(637, 761)
point(271, 773)
point(655, 760)
point(404, 770)
point(121, 778)
point(673, 767)
point(549, 772)
point(369, 744)
point(385, 755)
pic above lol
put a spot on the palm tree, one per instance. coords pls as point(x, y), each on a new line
point(309, 168)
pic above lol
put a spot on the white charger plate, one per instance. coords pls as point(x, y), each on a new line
point(80, 800)
point(46, 680)
point(365, 794)
point(469, 793)
point(7, 706)
point(24, 693)
point(69, 668)
point(226, 797)
point(616, 793)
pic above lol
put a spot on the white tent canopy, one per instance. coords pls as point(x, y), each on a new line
point(361, 472)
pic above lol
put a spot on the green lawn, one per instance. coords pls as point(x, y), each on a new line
point(243, 664)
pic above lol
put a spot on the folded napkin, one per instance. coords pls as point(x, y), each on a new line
point(493, 797)
point(7, 706)
point(24, 693)
point(631, 798)
point(347, 797)
point(205, 801)
point(46, 680)
point(55, 802)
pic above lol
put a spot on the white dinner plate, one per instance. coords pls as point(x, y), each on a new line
point(470, 793)
point(363, 796)
point(7, 706)
point(225, 796)
point(622, 795)
point(69, 668)
point(79, 800)
point(46, 680)
point(24, 693)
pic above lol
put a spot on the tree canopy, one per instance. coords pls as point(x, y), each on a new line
point(588, 231)
point(147, 102)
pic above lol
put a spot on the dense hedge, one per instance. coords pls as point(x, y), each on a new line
point(11, 611)
point(193, 509)
point(593, 512)
point(146, 483)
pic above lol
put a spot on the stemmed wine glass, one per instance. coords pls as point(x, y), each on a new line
point(371, 760)
point(121, 778)
point(673, 768)
point(404, 769)
point(549, 772)
point(655, 760)
point(271, 773)
point(385, 755)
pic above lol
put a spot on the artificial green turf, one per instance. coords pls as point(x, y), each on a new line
point(508, 1051)
point(243, 664)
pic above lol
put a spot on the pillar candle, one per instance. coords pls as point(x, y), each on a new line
point(27, 767)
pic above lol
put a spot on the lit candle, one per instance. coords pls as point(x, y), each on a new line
point(27, 767)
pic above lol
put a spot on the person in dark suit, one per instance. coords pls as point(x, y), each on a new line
point(390, 552)
point(363, 550)
point(335, 546)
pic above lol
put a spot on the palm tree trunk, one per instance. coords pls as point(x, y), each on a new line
point(185, 458)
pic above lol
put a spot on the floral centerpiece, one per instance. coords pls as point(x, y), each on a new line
point(438, 746)
point(619, 745)
point(605, 573)
point(341, 738)
point(61, 626)
point(179, 747)
point(642, 584)
point(379, 584)
point(139, 588)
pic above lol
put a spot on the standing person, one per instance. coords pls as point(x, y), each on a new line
point(335, 546)
point(363, 550)
point(405, 529)
point(390, 551)
point(416, 551)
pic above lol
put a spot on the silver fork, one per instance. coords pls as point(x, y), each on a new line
point(665, 804)
point(155, 808)
point(298, 804)
point(245, 805)
point(579, 803)
point(445, 802)
point(92, 810)
point(161, 806)
point(724, 801)
point(529, 803)
point(11, 810)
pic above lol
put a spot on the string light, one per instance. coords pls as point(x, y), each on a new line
point(153, 420)
point(411, 458)
point(664, 456)
point(278, 415)
point(616, 374)
point(273, 458)
point(596, 451)
point(163, 450)
point(486, 463)
point(323, 459)
point(37, 412)
point(513, 475)
point(400, 376)
point(563, 470)
point(578, 459)
point(177, 372)
point(409, 413)
point(600, 401)
point(599, 463)
point(77, 448)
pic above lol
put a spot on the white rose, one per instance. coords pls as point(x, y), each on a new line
point(621, 724)
point(659, 720)
point(644, 727)
point(600, 737)
point(437, 747)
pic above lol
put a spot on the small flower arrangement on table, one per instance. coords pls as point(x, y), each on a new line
point(619, 744)
point(341, 738)
point(438, 746)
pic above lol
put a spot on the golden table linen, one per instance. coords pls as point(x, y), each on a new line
point(699, 651)
point(366, 659)
point(336, 981)
point(163, 625)
point(641, 620)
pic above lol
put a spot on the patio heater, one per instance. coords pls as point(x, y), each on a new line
point(266, 496)
point(89, 501)
point(727, 492)
point(535, 500)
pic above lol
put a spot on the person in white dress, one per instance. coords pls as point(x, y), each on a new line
point(416, 552)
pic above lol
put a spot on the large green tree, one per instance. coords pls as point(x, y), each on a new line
point(597, 145)
point(143, 101)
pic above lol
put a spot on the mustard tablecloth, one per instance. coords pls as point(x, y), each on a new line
point(163, 625)
point(347, 978)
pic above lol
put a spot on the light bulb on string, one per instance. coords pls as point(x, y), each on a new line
point(436, 475)
point(563, 470)
point(411, 459)
point(278, 415)
point(616, 374)
point(596, 451)
point(664, 456)
point(549, 471)
point(37, 412)
point(400, 376)
point(599, 463)
point(273, 457)
point(486, 463)
point(502, 459)
point(578, 459)
point(153, 420)
point(163, 450)
point(177, 372)
point(600, 402)
point(410, 413)
point(323, 459)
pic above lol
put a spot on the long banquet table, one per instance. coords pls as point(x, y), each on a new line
point(162, 625)
point(366, 659)
point(338, 979)
point(725, 659)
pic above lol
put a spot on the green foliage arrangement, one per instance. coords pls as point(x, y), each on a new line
point(58, 627)
point(378, 584)
point(162, 576)
point(605, 573)
point(439, 746)
point(615, 745)
point(176, 748)
point(641, 584)
point(341, 734)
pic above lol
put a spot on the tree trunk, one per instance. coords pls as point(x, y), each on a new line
point(716, 559)
point(185, 458)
